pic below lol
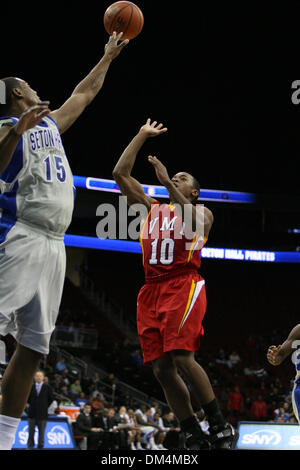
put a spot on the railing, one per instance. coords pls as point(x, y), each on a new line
point(72, 361)
point(69, 336)
point(139, 397)
point(110, 308)
point(88, 370)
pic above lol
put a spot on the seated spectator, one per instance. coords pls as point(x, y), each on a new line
point(122, 418)
point(53, 408)
point(233, 359)
point(95, 380)
point(154, 407)
point(221, 358)
point(160, 434)
point(235, 404)
point(259, 409)
point(259, 371)
point(97, 402)
point(57, 383)
point(66, 396)
point(85, 428)
point(282, 416)
point(170, 421)
point(75, 388)
point(288, 408)
point(65, 377)
point(112, 437)
point(293, 419)
point(274, 395)
point(72, 369)
point(248, 370)
point(111, 379)
point(123, 415)
point(61, 365)
point(174, 438)
point(134, 432)
point(81, 400)
point(98, 393)
point(140, 413)
point(147, 427)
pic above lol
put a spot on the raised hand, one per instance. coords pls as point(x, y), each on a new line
point(113, 47)
point(152, 130)
point(31, 117)
point(160, 170)
point(272, 355)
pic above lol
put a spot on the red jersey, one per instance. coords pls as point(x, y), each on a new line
point(168, 246)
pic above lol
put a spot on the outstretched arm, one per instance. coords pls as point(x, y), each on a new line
point(10, 136)
point(277, 354)
point(89, 87)
point(128, 185)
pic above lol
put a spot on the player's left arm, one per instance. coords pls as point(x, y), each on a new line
point(277, 354)
point(201, 220)
point(89, 87)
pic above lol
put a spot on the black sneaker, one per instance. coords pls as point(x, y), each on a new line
point(197, 442)
point(225, 439)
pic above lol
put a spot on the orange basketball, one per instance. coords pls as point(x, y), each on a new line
point(124, 17)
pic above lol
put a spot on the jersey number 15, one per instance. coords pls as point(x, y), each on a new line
point(59, 168)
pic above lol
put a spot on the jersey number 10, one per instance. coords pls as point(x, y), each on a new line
point(166, 251)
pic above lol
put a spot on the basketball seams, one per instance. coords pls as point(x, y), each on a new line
point(130, 18)
point(130, 22)
point(111, 29)
point(141, 18)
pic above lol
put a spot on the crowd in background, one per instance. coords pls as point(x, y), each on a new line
point(247, 387)
point(247, 390)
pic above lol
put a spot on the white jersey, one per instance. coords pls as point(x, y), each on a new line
point(37, 186)
point(296, 360)
point(296, 389)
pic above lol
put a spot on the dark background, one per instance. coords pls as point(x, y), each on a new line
point(219, 76)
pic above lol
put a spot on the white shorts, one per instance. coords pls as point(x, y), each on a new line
point(32, 273)
point(296, 400)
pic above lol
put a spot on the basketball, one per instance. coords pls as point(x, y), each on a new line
point(125, 17)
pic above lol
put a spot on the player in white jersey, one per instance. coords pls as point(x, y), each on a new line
point(36, 205)
point(277, 354)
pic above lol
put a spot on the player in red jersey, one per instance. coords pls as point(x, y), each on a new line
point(172, 303)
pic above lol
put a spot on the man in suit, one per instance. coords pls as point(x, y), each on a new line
point(84, 427)
point(39, 400)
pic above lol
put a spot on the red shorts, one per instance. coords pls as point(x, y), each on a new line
point(170, 314)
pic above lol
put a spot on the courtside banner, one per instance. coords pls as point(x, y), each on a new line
point(268, 436)
point(58, 435)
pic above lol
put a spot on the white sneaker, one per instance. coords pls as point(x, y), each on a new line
point(154, 447)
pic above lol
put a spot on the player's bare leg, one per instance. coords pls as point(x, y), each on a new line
point(222, 433)
point(178, 399)
point(17, 380)
point(195, 375)
point(175, 390)
point(177, 395)
point(16, 385)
